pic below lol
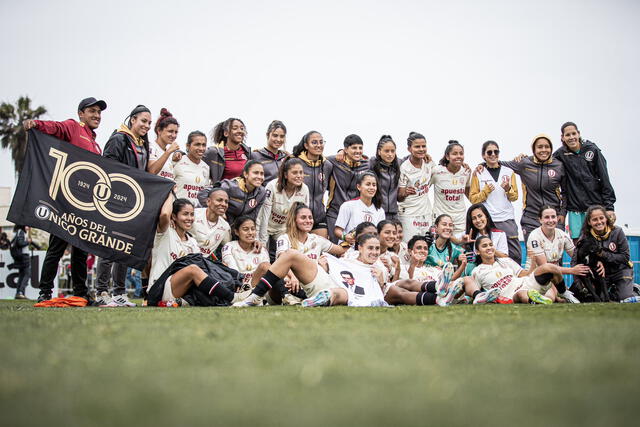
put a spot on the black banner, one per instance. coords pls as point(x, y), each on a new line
point(96, 204)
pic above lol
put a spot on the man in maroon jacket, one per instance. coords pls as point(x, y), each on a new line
point(81, 134)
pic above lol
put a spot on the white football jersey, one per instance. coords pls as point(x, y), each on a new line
point(313, 247)
point(154, 154)
point(190, 178)
point(243, 262)
point(168, 247)
point(273, 213)
point(538, 244)
point(210, 235)
point(410, 176)
point(499, 274)
point(355, 212)
point(449, 194)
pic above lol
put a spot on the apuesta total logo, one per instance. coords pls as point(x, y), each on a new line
point(101, 190)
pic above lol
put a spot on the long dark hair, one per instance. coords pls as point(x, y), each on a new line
point(448, 245)
point(377, 162)
point(134, 113)
point(300, 148)
point(377, 199)
point(586, 228)
point(287, 164)
point(452, 143)
point(473, 231)
point(478, 259)
point(237, 223)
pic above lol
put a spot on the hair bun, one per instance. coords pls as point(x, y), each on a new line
point(165, 113)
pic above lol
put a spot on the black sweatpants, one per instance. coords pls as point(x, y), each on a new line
point(56, 249)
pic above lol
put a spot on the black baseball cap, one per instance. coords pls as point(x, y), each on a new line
point(88, 102)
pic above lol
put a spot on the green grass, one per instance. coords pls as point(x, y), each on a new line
point(286, 366)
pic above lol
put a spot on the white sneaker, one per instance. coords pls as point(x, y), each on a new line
point(250, 301)
point(120, 301)
point(104, 299)
point(289, 299)
point(568, 295)
point(487, 297)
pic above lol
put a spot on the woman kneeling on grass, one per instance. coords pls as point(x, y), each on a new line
point(503, 277)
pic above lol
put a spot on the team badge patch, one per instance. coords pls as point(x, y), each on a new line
point(551, 173)
point(252, 203)
point(198, 179)
point(367, 218)
point(321, 176)
point(588, 155)
point(612, 247)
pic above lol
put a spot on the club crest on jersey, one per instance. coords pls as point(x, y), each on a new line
point(255, 261)
point(198, 179)
point(612, 247)
point(588, 155)
point(321, 176)
point(551, 173)
point(206, 243)
point(498, 274)
point(368, 218)
point(252, 203)
point(454, 181)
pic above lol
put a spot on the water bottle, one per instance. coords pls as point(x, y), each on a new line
point(631, 299)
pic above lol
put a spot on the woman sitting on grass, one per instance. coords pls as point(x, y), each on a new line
point(362, 228)
point(388, 235)
point(298, 237)
point(443, 251)
point(241, 254)
point(547, 244)
point(503, 277)
point(172, 242)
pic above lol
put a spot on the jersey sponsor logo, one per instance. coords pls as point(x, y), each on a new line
point(534, 244)
point(551, 173)
point(612, 247)
point(280, 243)
point(588, 156)
point(268, 193)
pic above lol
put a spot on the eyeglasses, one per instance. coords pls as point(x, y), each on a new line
point(321, 142)
point(492, 152)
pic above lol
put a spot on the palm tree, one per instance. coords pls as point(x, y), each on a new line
point(12, 134)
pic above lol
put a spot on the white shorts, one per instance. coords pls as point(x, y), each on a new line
point(414, 225)
point(167, 295)
point(321, 282)
point(521, 284)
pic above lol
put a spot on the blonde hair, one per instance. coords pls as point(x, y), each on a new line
point(292, 229)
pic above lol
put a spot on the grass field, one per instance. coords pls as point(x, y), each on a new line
point(286, 366)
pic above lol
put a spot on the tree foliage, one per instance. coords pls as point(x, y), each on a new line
point(12, 134)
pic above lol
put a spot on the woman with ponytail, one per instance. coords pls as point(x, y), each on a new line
point(309, 150)
point(165, 146)
point(386, 166)
point(271, 156)
point(128, 145)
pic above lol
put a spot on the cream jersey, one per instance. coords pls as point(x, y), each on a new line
point(243, 262)
point(273, 213)
point(210, 235)
point(155, 152)
point(499, 274)
point(168, 247)
point(449, 194)
point(190, 178)
point(425, 273)
point(410, 176)
point(553, 249)
point(403, 254)
point(313, 247)
point(354, 212)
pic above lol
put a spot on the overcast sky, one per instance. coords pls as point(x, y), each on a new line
point(464, 70)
